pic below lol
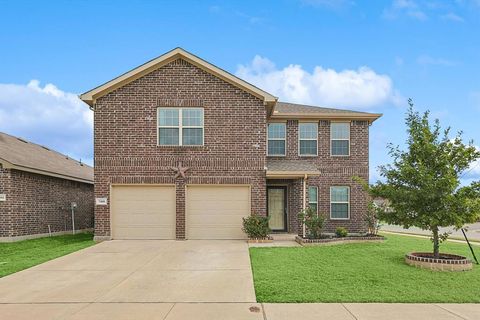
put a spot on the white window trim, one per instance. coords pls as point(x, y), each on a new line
point(331, 139)
point(310, 139)
point(316, 200)
point(180, 127)
point(347, 202)
point(277, 139)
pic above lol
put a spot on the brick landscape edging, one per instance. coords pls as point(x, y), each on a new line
point(331, 241)
point(455, 263)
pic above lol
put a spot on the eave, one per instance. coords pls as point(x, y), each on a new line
point(291, 174)
point(8, 165)
point(370, 117)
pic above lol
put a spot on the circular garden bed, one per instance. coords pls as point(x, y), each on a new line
point(446, 262)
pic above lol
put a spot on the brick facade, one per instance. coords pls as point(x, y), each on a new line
point(126, 148)
point(335, 171)
point(36, 201)
point(234, 150)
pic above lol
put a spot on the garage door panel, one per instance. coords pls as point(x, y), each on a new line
point(143, 219)
point(216, 212)
point(143, 232)
point(219, 220)
point(211, 205)
point(143, 212)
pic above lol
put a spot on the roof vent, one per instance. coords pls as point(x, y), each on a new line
point(46, 148)
point(22, 140)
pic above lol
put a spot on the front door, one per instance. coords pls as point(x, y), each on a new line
point(276, 206)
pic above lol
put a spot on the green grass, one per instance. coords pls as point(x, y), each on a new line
point(16, 256)
point(362, 272)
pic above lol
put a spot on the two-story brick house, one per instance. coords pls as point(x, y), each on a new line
point(184, 150)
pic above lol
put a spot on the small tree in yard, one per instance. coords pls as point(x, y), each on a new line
point(371, 217)
point(423, 183)
point(313, 222)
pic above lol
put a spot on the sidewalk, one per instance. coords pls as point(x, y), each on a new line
point(238, 311)
point(473, 232)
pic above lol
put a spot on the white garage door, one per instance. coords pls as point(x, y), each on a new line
point(216, 212)
point(143, 212)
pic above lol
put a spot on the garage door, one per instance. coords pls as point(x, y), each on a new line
point(216, 212)
point(143, 212)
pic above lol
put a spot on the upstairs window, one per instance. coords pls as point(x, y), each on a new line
point(180, 126)
point(340, 138)
point(308, 135)
point(313, 198)
point(276, 139)
point(339, 203)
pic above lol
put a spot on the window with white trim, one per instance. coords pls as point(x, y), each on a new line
point(313, 198)
point(180, 126)
point(276, 139)
point(340, 138)
point(308, 138)
point(340, 202)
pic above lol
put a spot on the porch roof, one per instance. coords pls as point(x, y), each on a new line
point(287, 169)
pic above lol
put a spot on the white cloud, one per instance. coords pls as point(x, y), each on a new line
point(428, 60)
point(472, 173)
point(452, 17)
point(474, 98)
point(408, 7)
point(475, 167)
point(334, 4)
point(360, 89)
point(48, 116)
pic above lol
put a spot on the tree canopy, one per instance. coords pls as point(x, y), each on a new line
point(423, 184)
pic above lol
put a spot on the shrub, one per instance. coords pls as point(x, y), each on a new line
point(256, 227)
point(371, 218)
point(313, 222)
point(341, 232)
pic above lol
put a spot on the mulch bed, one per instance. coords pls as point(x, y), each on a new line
point(324, 240)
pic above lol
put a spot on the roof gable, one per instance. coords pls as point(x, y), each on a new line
point(90, 96)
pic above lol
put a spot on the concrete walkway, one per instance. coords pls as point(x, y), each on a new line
point(473, 231)
point(238, 311)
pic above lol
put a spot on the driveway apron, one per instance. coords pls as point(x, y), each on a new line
point(139, 271)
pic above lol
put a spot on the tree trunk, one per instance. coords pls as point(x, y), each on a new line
point(436, 244)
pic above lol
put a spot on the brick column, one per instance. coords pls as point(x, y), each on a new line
point(180, 208)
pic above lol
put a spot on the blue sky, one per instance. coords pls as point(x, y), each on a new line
point(363, 55)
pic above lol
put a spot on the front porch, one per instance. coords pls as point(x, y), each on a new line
point(287, 193)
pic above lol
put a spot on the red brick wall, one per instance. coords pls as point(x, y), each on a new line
point(5, 208)
point(126, 148)
point(335, 171)
point(35, 201)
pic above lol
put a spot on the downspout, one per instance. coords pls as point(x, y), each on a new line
point(304, 205)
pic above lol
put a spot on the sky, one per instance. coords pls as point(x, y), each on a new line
point(361, 55)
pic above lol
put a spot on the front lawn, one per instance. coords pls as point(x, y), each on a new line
point(16, 256)
point(362, 272)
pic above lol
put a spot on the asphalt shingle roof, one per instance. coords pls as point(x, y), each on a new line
point(290, 165)
point(293, 108)
point(22, 153)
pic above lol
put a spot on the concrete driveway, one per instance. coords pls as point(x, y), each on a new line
point(138, 271)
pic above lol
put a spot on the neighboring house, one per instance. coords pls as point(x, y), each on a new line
point(184, 150)
point(37, 188)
